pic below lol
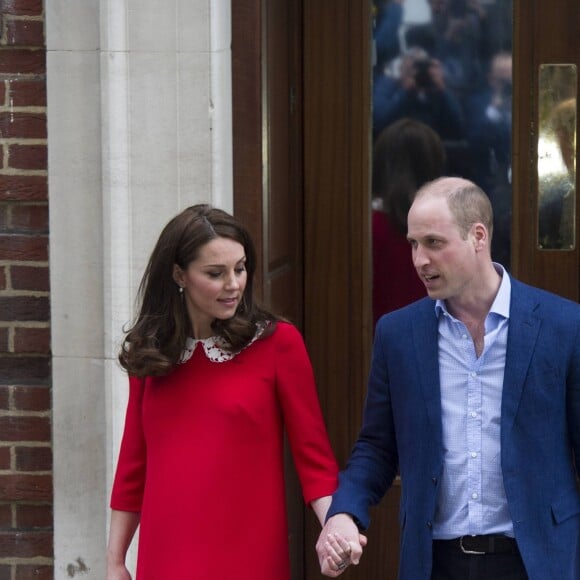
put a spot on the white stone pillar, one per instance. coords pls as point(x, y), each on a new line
point(139, 118)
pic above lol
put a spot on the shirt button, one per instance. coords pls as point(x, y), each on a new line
point(473, 414)
point(474, 495)
point(473, 374)
point(464, 337)
point(473, 454)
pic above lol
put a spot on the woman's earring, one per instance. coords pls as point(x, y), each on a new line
point(181, 290)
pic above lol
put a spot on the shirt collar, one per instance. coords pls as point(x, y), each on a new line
point(501, 302)
point(214, 346)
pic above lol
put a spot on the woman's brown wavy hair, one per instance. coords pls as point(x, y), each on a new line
point(154, 343)
point(406, 155)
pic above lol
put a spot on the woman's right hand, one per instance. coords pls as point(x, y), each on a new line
point(121, 532)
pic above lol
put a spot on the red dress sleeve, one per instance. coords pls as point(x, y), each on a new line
point(311, 450)
point(127, 493)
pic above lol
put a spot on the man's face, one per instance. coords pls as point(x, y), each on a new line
point(445, 262)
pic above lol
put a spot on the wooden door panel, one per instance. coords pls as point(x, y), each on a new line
point(336, 89)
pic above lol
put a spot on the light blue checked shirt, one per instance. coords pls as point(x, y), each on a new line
point(471, 496)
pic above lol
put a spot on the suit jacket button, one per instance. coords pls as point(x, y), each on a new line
point(429, 525)
point(434, 480)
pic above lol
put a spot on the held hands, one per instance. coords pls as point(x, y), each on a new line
point(339, 545)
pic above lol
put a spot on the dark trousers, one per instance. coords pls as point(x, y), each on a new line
point(451, 563)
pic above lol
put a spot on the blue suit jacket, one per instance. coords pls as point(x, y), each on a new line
point(540, 432)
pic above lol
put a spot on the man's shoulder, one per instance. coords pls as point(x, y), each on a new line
point(538, 297)
point(416, 310)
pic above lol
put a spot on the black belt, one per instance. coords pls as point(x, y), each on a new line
point(480, 545)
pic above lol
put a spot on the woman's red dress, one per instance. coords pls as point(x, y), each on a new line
point(202, 460)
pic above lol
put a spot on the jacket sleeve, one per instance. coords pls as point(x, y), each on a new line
point(309, 443)
point(374, 460)
point(129, 483)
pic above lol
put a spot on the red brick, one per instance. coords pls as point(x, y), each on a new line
point(30, 278)
point(22, 126)
point(5, 517)
point(25, 33)
point(5, 397)
point(26, 544)
point(24, 308)
point(5, 218)
point(34, 516)
point(22, 61)
point(23, 188)
point(29, 398)
point(35, 340)
point(2, 279)
point(5, 458)
point(24, 429)
point(25, 487)
point(19, 369)
point(29, 157)
point(30, 217)
point(23, 247)
point(33, 458)
point(26, 93)
point(3, 340)
point(33, 573)
point(21, 7)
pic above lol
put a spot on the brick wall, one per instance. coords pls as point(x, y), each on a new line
point(26, 520)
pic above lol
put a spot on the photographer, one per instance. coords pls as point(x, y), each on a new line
point(419, 92)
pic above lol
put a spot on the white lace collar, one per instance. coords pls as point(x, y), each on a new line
point(213, 347)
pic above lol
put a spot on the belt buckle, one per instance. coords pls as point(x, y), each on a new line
point(466, 551)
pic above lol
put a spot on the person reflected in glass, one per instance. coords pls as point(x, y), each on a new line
point(388, 17)
point(489, 129)
point(557, 202)
point(406, 155)
point(215, 381)
point(455, 37)
point(417, 90)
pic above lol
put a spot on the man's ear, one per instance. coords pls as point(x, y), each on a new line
point(481, 236)
point(178, 275)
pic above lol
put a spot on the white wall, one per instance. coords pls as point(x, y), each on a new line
point(139, 127)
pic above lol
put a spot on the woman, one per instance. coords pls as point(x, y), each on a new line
point(406, 155)
point(214, 379)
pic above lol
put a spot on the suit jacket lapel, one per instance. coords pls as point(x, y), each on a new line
point(524, 326)
point(425, 342)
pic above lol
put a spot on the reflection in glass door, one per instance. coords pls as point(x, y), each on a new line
point(442, 105)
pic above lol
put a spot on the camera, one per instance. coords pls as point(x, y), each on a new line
point(423, 78)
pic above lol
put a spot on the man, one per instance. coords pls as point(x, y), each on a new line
point(474, 397)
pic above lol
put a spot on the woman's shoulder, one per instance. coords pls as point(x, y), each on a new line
point(283, 333)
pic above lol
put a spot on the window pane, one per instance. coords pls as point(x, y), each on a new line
point(442, 105)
